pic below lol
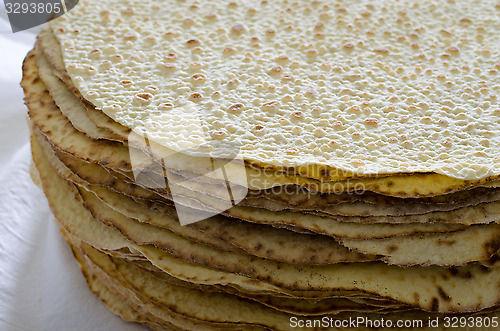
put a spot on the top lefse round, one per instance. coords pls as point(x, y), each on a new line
point(369, 87)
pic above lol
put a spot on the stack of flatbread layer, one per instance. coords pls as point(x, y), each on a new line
point(364, 137)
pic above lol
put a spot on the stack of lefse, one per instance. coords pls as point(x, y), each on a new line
point(411, 246)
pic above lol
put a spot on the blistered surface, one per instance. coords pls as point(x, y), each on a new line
point(369, 87)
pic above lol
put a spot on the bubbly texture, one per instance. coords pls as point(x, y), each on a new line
point(367, 87)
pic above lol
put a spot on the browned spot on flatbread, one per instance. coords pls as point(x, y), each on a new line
point(392, 249)
point(324, 173)
point(435, 304)
point(492, 246)
point(454, 271)
point(443, 294)
point(468, 275)
point(494, 259)
point(445, 242)
point(485, 269)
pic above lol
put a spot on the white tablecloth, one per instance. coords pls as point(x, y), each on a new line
point(41, 287)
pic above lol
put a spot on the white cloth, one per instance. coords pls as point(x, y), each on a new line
point(41, 287)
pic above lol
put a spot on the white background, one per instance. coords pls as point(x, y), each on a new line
point(41, 287)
